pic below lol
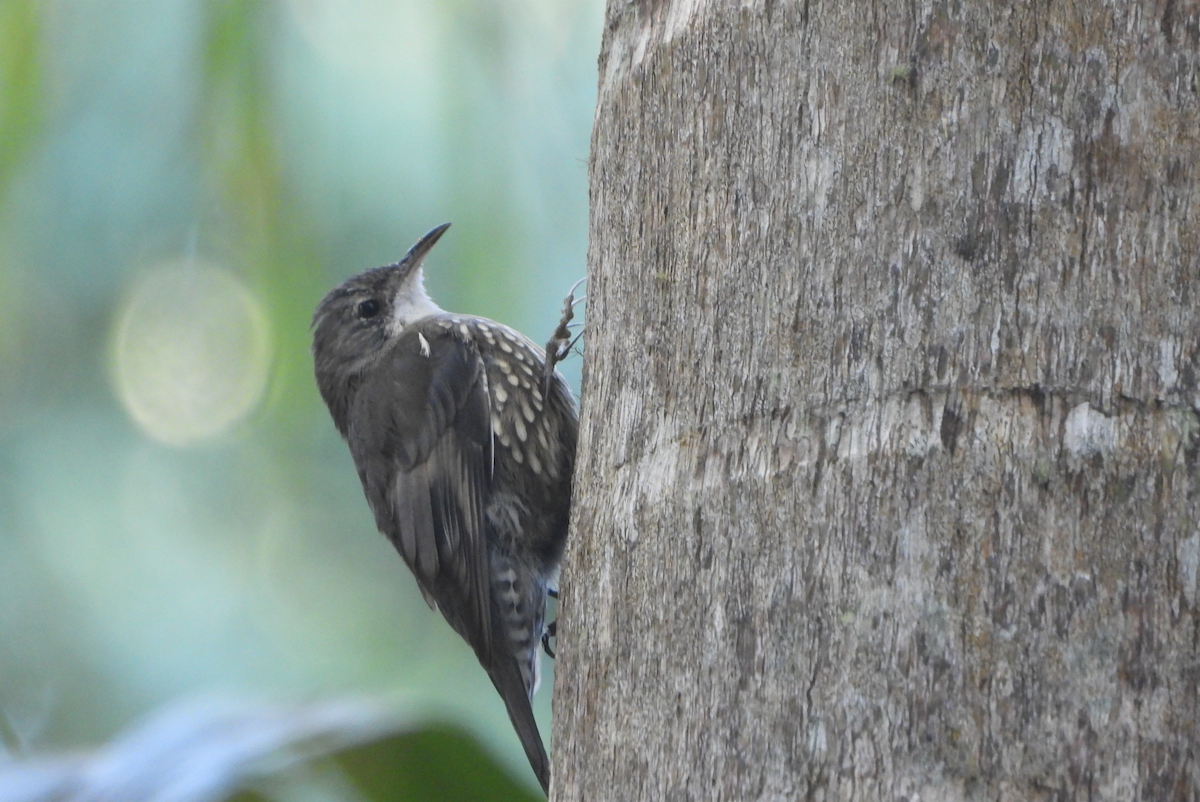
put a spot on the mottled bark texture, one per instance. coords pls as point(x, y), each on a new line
point(888, 477)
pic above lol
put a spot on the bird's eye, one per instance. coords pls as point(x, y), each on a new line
point(368, 308)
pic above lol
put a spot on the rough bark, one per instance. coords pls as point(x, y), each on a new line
point(888, 471)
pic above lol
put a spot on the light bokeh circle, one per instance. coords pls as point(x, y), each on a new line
point(191, 352)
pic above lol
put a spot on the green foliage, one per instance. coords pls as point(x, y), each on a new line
point(20, 83)
point(436, 763)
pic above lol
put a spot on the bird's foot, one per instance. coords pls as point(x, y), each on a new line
point(561, 341)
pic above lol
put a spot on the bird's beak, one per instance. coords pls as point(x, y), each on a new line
point(424, 245)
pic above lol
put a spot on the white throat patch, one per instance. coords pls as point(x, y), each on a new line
point(412, 303)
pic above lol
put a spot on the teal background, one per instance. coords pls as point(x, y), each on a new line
point(288, 145)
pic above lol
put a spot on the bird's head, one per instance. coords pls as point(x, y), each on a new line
point(356, 321)
point(359, 317)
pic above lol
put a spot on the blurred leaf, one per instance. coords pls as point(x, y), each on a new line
point(434, 764)
point(438, 763)
point(265, 232)
point(209, 750)
point(20, 76)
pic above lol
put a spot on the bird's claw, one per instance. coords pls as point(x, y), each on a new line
point(561, 341)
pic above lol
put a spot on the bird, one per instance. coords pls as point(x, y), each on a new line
point(464, 441)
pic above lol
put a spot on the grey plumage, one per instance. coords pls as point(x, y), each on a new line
point(465, 458)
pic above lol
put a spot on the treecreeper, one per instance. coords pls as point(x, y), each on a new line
point(464, 440)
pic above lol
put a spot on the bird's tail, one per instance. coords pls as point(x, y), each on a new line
point(506, 676)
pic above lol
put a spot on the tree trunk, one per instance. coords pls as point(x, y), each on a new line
point(888, 471)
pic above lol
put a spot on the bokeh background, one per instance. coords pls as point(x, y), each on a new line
point(180, 183)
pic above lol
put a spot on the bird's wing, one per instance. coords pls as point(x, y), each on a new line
point(421, 437)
